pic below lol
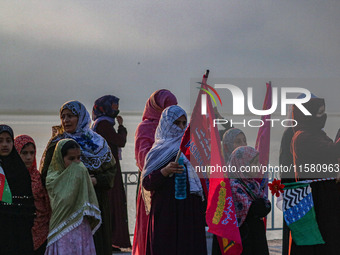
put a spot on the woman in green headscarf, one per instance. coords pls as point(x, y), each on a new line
point(75, 211)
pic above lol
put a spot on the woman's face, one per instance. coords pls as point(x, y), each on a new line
point(73, 155)
point(321, 111)
point(181, 122)
point(6, 144)
point(69, 121)
point(240, 140)
point(27, 154)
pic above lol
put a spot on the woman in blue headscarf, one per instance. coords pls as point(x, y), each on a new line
point(175, 226)
point(104, 114)
point(96, 156)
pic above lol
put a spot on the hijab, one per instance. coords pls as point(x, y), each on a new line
point(41, 201)
point(72, 196)
point(95, 150)
point(310, 122)
point(228, 140)
point(244, 190)
point(145, 132)
point(103, 110)
point(168, 138)
point(15, 171)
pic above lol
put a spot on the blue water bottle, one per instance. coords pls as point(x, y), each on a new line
point(181, 182)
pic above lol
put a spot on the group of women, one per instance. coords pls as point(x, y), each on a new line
point(76, 204)
point(70, 206)
point(164, 222)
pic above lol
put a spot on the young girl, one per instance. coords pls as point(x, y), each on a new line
point(251, 204)
point(25, 146)
point(231, 140)
point(16, 203)
point(72, 197)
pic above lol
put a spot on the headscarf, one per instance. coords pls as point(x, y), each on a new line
point(16, 216)
point(15, 170)
point(95, 150)
point(72, 196)
point(145, 132)
point(103, 110)
point(290, 123)
point(167, 142)
point(228, 139)
point(41, 200)
point(310, 122)
point(19, 142)
point(244, 190)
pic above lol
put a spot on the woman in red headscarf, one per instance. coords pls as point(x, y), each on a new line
point(144, 139)
point(25, 146)
point(311, 145)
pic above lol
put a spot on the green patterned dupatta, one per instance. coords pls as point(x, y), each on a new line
point(72, 196)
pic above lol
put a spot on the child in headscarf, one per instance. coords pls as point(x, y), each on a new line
point(231, 139)
point(16, 203)
point(75, 210)
point(25, 146)
point(175, 226)
point(251, 203)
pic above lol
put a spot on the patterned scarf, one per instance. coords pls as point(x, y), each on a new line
point(244, 189)
point(103, 110)
point(95, 150)
point(167, 142)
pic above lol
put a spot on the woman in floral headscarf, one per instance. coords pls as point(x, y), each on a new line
point(144, 139)
point(104, 114)
point(96, 156)
point(175, 226)
point(25, 146)
point(251, 204)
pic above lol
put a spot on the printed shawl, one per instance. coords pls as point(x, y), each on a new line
point(72, 196)
point(95, 150)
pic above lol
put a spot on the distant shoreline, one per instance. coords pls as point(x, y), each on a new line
point(126, 113)
point(23, 112)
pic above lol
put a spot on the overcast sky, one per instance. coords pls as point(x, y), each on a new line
point(58, 50)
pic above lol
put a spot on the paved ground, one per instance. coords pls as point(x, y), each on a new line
point(275, 248)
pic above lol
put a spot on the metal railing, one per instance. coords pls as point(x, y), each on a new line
point(131, 178)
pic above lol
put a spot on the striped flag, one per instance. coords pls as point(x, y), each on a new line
point(299, 214)
point(5, 192)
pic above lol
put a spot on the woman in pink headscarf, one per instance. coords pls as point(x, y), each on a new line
point(144, 139)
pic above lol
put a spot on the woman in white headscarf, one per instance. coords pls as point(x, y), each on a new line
point(175, 226)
